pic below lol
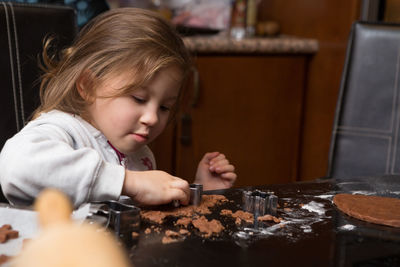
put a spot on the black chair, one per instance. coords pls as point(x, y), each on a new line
point(22, 30)
point(365, 139)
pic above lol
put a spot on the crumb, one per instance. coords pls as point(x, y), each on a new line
point(7, 233)
point(170, 237)
point(170, 233)
point(244, 216)
point(207, 202)
point(301, 205)
point(135, 235)
point(208, 228)
point(270, 218)
point(154, 216)
point(239, 215)
point(186, 211)
point(212, 200)
point(168, 240)
point(184, 232)
point(265, 218)
point(188, 215)
point(238, 221)
point(185, 221)
point(226, 212)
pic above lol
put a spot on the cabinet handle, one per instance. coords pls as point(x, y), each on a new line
point(196, 87)
point(186, 130)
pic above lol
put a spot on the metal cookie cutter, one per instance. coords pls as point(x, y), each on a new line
point(123, 219)
point(196, 193)
point(259, 203)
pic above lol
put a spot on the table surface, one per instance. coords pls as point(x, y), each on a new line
point(313, 232)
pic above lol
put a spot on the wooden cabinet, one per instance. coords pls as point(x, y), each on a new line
point(328, 22)
point(249, 107)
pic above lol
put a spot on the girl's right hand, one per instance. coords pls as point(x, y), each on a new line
point(155, 187)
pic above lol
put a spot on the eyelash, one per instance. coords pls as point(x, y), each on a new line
point(139, 100)
point(164, 108)
point(142, 101)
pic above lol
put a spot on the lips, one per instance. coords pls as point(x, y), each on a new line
point(140, 137)
point(144, 135)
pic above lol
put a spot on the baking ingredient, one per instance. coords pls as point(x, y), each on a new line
point(374, 209)
point(6, 233)
point(208, 228)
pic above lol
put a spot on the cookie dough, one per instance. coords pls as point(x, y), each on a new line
point(374, 209)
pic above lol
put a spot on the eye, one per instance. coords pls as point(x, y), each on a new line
point(165, 108)
point(139, 100)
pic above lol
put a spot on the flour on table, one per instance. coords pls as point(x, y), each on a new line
point(315, 207)
point(347, 227)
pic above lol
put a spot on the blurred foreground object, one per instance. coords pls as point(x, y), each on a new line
point(62, 242)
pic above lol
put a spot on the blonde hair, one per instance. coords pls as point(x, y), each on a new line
point(118, 40)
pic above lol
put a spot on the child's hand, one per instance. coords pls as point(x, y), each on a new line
point(215, 172)
point(155, 187)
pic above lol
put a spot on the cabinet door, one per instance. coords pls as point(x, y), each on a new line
point(250, 109)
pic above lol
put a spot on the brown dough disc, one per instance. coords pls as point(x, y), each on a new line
point(374, 209)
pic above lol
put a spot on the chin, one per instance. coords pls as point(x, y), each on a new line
point(133, 150)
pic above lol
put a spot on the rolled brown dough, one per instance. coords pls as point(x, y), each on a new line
point(374, 209)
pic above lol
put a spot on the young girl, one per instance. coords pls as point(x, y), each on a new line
point(108, 96)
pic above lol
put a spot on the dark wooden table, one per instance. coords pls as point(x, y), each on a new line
point(314, 232)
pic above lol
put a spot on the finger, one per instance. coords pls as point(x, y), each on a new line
point(179, 183)
point(226, 184)
point(181, 195)
point(209, 156)
point(220, 162)
point(222, 166)
point(231, 176)
point(218, 158)
point(183, 186)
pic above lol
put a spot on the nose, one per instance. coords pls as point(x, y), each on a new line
point(149, 116)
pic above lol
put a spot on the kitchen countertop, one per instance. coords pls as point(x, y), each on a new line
point(260, 45)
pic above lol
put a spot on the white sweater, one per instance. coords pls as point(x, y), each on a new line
point(64, 151)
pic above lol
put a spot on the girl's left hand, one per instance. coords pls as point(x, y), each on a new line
point(215, 172)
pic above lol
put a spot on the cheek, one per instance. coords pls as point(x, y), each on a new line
point(125, 116)
point(119, 114)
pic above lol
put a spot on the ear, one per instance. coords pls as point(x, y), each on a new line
point(84, 85)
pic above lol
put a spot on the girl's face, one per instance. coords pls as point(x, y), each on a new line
point(132, 121)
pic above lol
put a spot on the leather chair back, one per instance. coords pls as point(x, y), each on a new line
point(365, 139)
point(22, 30)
